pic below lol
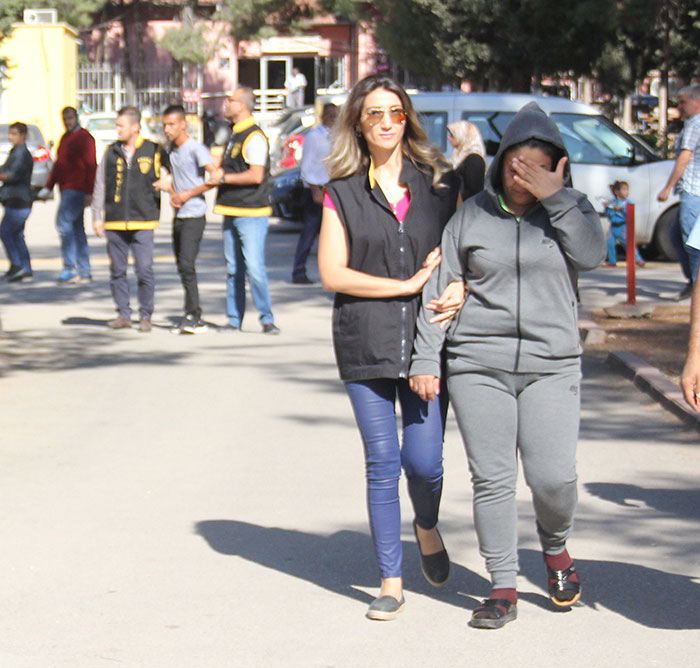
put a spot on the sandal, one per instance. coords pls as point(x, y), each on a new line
point(493, 613)
point(562, 590)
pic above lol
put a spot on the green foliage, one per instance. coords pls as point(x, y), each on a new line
point(499, 43)
point(684, 39)
point(503, 44)
point(351, 10)
point(78, 13)
point(250, 19)
point(188, 43)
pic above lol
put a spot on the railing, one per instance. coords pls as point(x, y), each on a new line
point(103, 87)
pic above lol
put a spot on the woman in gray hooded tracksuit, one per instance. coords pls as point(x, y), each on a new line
point(513, 351)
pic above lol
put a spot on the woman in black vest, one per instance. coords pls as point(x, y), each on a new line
point(389, 197)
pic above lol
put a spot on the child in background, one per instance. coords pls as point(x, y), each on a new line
point(616, 212)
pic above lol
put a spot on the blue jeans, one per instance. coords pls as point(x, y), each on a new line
point(423, 424)
point(688, 213)
point(12, 235)
point(69, 221)
point(618, 233)
point(244, 250)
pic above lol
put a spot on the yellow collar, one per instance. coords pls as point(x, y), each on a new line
point(244, 125)
point(139, 141)
point(370, 174)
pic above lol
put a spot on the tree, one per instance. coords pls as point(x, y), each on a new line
point(188, 44)
point(78, 13)
point(250, 19)
point(499, 43)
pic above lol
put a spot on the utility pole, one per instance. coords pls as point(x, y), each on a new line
point(663, 89)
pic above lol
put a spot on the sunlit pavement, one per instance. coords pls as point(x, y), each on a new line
point(199, 500)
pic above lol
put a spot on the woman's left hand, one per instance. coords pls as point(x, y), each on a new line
point(448, 303)
point(537, 180)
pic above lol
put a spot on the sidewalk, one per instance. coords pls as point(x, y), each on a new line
point(186, 501)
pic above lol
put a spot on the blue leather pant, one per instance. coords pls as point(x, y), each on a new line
point(420, 454)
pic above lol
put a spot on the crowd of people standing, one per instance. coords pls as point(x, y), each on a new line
point(124, 192)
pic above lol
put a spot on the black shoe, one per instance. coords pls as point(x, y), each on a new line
point(228, 327)
point(685, 293)
point(493, 613)
point(190, 325)
point(562, 591)
point(435, 567)
point(302, 280)
point(270, 328)
point(385, 608)
point(19, 275)
point(12, 270)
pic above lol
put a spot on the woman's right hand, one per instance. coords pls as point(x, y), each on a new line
point(425, 386)
point(415, 284)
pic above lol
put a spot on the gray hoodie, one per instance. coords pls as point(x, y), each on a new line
point(520, 314)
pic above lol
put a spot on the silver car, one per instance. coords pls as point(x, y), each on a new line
point(43, 164)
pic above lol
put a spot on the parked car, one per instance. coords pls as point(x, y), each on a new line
point(287, 121)
point(292, 148)
point(286, 142)
point(600, 151)
point(286, 194)
point(43, 164)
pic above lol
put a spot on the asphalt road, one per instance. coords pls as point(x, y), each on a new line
point(198, 501)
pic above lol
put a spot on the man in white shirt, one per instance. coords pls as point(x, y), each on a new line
point(314, 174)
point(295, 85)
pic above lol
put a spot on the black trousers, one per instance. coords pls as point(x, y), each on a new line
point(187, 236)
point(312, 226)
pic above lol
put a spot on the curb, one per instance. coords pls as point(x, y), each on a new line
point(650, 380)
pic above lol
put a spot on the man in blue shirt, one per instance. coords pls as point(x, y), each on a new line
point(189, 160)
point(686, 178)
point(314, 175)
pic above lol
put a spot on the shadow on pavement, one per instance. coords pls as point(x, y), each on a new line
point(682, 503)
point(339, 563)
point(38, 351)
point(602, 419)
point(647, 596)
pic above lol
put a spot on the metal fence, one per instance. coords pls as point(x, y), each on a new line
point(103, 87)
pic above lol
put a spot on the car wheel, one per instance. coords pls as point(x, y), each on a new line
point(661, 243)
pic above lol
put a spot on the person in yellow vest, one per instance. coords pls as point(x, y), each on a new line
point(126, 208)
point(243, 199)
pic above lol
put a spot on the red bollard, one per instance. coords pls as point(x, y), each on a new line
point(631, 264)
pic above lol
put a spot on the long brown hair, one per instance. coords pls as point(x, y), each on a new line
point(350, 153)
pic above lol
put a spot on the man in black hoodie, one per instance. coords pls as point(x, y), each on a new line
point(16, 196)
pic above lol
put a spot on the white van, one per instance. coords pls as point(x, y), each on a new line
point(600, 152)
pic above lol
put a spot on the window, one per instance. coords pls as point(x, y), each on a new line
point(491, 124)
point(435, 125)
point(594, 140)
point(591, 140)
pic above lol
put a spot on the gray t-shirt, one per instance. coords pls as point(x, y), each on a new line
point(187, 163)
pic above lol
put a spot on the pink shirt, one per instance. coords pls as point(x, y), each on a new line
point(400, 209)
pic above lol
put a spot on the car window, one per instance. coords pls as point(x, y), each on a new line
point(588, 139)
point(491, 124)
point(594, 140)
point(435, 125)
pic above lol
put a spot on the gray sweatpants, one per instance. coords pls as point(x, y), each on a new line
point(501, 414)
